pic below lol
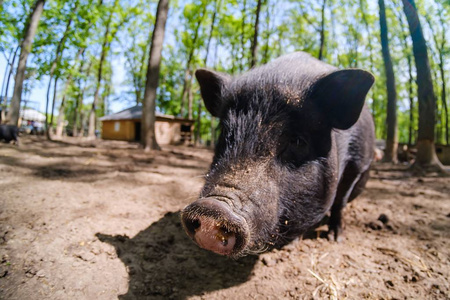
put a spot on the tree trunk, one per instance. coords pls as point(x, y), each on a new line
point(8, 64)
point(190, 99)
point(443, 96)
point(58, 54)
point(265, 56)
point(254, 46)
point(53, 108)
point(362, 4)
point(410, 83)
point(441, 48)
point(322, 30)
point(390, 153)
point(184, 91)
point(411, 101)
point(199, 117)
point(241, 61)
point(426, 159)
point(79, 104)
point(60, 122)
point(154, 62)
point(143, 69)
point(25, 49)
point(211, 29)
point(92, 113)
point(188, 74)
point(83, 123)
point(5, 98)
point(205, 62)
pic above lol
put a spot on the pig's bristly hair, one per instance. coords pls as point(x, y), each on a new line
point(262, 109)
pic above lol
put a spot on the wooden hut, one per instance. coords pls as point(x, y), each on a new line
point(126, 126)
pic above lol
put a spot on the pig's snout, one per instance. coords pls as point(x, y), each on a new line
point(214, 226)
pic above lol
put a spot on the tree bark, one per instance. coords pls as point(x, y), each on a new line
point(441, 48)
point(254, 46)
point(426, 159)
point(217, 5)
point(25, 49)
point(322, 30)
point(154, 62)
point(58, 54)
point(265, 56)
point(184, 92)
point(411, 101)
point(362, 4)
point(390, 153)
point(8, 64)
point(78, 105)
point(241, 61)
point(60, 121)
point(410, 83)
point(443, 97)
point(190, 98)
point(53, 108)
point(92, 113)
point(5, 98)
point(188, 74)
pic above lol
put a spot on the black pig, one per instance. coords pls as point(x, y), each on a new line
point(9, 133)
point(296, 142)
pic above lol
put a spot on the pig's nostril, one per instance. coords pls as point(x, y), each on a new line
point(224, 230)
point(195, 224)
point(192, 225)
point(214, 226)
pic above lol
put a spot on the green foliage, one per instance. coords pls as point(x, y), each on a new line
point(350, 30)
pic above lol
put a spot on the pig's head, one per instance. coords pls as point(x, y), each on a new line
point(274, 172)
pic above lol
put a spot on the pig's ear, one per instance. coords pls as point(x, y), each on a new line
point(212, 85)
point(341, 95)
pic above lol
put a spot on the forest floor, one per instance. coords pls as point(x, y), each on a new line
point(100, 220)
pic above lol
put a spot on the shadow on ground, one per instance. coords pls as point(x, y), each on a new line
point(74, 162)
point(163, 263)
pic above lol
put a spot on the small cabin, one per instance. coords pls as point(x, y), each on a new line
point(126, 126)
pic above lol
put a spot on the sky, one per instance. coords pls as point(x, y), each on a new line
point(39, 91)
point(38, 94)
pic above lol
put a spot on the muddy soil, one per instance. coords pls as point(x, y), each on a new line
point(100, 220)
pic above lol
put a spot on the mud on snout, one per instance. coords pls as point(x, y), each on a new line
point(213, 225)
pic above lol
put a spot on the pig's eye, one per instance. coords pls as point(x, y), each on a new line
point(295, 152)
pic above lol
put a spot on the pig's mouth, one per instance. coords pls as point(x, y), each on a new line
point(214, 226)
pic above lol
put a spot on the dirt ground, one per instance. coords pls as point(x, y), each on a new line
point(100, 220)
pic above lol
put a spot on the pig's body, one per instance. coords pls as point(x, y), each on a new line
point(9, 133)
point(294, 144)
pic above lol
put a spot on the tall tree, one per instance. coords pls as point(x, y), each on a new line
point(187, 82)
point(322, 30)
point(154, 62)
point(440, 45)
point(242, 35)
point(10, 73)
point(60, 122)
point(408, 54)
point(79, 101)
point(25, 49)
point(104, 52)
point(254, 46)
point(390, 153)
point(426, 158)
point(56, 61)
point(8, 65)
point(216, 8)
